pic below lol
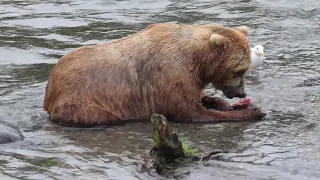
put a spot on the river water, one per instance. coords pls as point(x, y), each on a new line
point(35, 34)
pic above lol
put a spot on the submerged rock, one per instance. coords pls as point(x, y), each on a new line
point(9, 133)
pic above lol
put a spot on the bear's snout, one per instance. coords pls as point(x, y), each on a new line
point(234, 91)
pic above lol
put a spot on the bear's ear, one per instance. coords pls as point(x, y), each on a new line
point(243, 29)
point(217, 39)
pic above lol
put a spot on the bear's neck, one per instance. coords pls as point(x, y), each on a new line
point(207, 72)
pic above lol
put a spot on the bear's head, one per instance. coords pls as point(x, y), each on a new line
point(231, 57)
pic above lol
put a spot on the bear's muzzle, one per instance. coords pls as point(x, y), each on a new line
point(234, 91)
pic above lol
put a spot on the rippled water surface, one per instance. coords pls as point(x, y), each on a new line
point(35, 34)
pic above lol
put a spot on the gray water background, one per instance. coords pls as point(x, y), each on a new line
point(34, 34)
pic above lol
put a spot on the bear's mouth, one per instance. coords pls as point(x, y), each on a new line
point(231, 92)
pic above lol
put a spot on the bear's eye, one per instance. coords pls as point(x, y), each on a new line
point(239, 73)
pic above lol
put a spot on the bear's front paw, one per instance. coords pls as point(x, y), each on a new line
point(253, 113)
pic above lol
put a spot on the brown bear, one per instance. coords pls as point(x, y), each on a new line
point(161, 69)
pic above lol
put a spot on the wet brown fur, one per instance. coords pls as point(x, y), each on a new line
point(161, 69)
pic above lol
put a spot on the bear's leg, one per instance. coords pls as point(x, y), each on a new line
point(212, 115)
point(211, 102)
point(203, 115)
point(83, 116)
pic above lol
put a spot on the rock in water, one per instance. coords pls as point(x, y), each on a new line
point(9, 133)
point(166, 142)
point(168, 150)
